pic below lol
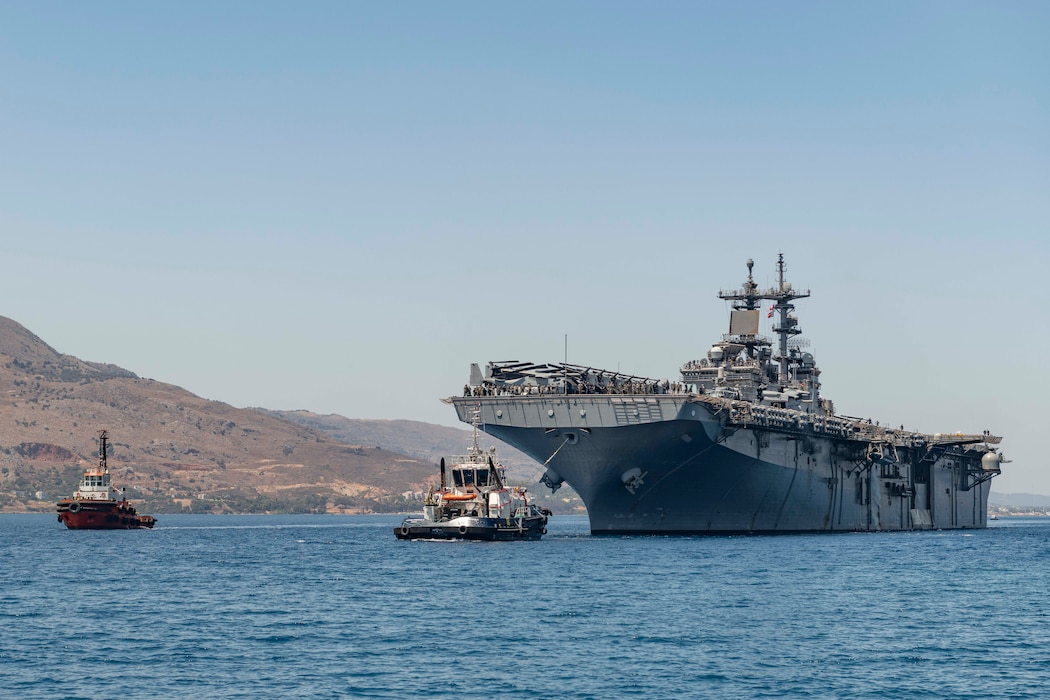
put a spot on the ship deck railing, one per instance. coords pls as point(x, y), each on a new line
point(748, 414)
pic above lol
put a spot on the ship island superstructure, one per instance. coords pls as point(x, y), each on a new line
point(744, 442)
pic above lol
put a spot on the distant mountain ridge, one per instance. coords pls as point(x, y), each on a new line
point(425, 441)
point(27, 351)
point(429, 442)
point(1019, 500)
point(422, 440)
point(171, 448)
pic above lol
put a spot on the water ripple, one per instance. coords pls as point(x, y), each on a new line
point(333, 607)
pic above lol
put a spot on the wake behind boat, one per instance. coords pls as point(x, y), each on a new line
point(97, 504)
point(477, 505)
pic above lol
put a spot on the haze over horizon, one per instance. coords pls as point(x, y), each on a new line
point(338, 207)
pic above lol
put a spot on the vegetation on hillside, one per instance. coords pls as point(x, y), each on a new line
point(175, 452)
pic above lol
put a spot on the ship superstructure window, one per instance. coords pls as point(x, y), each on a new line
point(482, 477)
point(465, 477)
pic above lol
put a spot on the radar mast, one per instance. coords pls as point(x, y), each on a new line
point(786, 325)
point(743, 327)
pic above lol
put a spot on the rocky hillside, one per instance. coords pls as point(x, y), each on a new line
point(424, 441)
point(429, 443)
point(172, 449)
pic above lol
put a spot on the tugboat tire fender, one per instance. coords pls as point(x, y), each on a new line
point(543, 531)
point(462, 529)
point(74, 507)
point(404, 529)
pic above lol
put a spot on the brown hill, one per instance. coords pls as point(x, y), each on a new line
point(429, 442)
point(424, 441)
point(173, 449)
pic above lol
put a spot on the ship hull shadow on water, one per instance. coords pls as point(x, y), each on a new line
point(744, 443)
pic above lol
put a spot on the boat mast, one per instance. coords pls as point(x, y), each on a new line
point(748, 298)
point(102, 437)
point(475, 448)
point(782, 297)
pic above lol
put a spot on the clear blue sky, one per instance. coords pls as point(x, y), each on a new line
point(339, 206)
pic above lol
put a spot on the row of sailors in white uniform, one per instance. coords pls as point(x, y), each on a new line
point(664, 387)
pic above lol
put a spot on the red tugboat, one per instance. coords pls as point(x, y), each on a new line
point(97, 505)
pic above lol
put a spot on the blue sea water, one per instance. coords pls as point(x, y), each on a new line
point(336, 607)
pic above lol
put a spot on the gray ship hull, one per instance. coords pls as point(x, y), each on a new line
point(676, 464)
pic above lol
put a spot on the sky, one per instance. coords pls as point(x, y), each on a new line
point(338, 206)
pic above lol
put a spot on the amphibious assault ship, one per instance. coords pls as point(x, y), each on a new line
point(743, 443)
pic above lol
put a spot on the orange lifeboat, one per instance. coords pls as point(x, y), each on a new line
point(459, 496)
